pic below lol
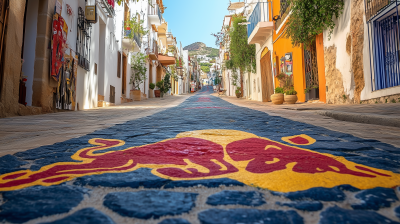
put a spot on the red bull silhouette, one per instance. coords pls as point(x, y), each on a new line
point(187, 158)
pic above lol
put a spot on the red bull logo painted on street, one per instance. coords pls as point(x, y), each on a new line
point(210, 154)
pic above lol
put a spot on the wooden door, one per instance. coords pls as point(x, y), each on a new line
point(112, 94)
point(266, 77)
point(151, 73)
point(124, 64)
point(3, 22)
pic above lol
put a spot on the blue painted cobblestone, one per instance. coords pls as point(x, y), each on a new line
point(340, 215)
point(317, 193)
point(150, 204)
point(375, 199)
point(250, 198)
point(138, 178)
point(310, 206)
point(9, 163)
point(35, 202)
point(174, 221)
point(85, 216)
point(213, 183)
point(249, 216)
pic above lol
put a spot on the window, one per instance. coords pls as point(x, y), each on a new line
point(384, 51)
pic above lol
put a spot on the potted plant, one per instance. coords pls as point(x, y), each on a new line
point(160, 91)
point(290, 96)
point(312, 93)
point(138, 75)
point(238, 92)
point(152, 86)
point(278, 97)
point(281, 77)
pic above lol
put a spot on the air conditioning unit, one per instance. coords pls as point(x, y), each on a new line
point(91, 13)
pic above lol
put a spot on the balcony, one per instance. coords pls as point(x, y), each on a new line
point(132, 44)
point(107, 8)
point(155, 16)
point(261, 25)
point(170, 39)
point(373, 7)
point(152, 50)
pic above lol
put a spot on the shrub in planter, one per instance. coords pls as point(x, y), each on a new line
point(290, 96)
point(278, 97)
point(238, 92)
point(152, 86)
point(160, 90)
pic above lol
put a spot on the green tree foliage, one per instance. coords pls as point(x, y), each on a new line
point(205, 67)
point(214, 52)
point(138, 65)
point(242, 55)
point(136, 26)
point(167, 82)
point(310, 18)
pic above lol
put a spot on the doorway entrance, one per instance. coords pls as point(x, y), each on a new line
point(311, 72)
point(124, 64)
point(266, 77)
point(112, 94)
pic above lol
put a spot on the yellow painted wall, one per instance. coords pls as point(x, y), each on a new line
point(283, 46)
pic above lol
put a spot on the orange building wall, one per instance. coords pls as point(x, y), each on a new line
point(321, 67)
point(283, 46)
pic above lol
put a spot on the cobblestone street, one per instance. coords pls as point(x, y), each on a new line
point(197, 159)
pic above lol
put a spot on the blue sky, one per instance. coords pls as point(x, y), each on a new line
point(194, 20)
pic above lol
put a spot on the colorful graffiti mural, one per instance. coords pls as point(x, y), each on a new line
point(210, 154)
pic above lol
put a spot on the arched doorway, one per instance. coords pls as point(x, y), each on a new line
point(266, 75)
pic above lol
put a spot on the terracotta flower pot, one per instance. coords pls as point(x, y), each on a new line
point(136, 95)
point(277, 98)
point(238, 95)
point(290, 99)
point(157, 93)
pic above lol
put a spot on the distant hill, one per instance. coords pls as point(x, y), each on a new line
point(200, 48)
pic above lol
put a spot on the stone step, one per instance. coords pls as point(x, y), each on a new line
point(102, 103)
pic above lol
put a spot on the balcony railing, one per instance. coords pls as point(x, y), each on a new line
point(155, 11)
point(373, 7)
point(136, 37)
point(152, 49)
point(284, 12)
point(107, 8)
point(261, 13)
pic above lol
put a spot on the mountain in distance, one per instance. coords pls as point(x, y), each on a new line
point(200, 48)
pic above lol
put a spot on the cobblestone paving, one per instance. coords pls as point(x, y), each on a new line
point(204, 161)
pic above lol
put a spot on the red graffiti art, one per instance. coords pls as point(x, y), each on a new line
point(204, 99)
point(183, 158)
point(173, 152)
point(193, 108)
point(267, 156)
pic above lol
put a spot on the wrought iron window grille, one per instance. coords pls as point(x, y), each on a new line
point(83, 40)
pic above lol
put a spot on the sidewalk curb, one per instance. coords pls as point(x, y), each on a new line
point(361, 118)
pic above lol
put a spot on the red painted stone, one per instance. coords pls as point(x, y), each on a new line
point(299, 140)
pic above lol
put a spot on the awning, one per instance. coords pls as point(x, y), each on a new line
point(166, 60)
